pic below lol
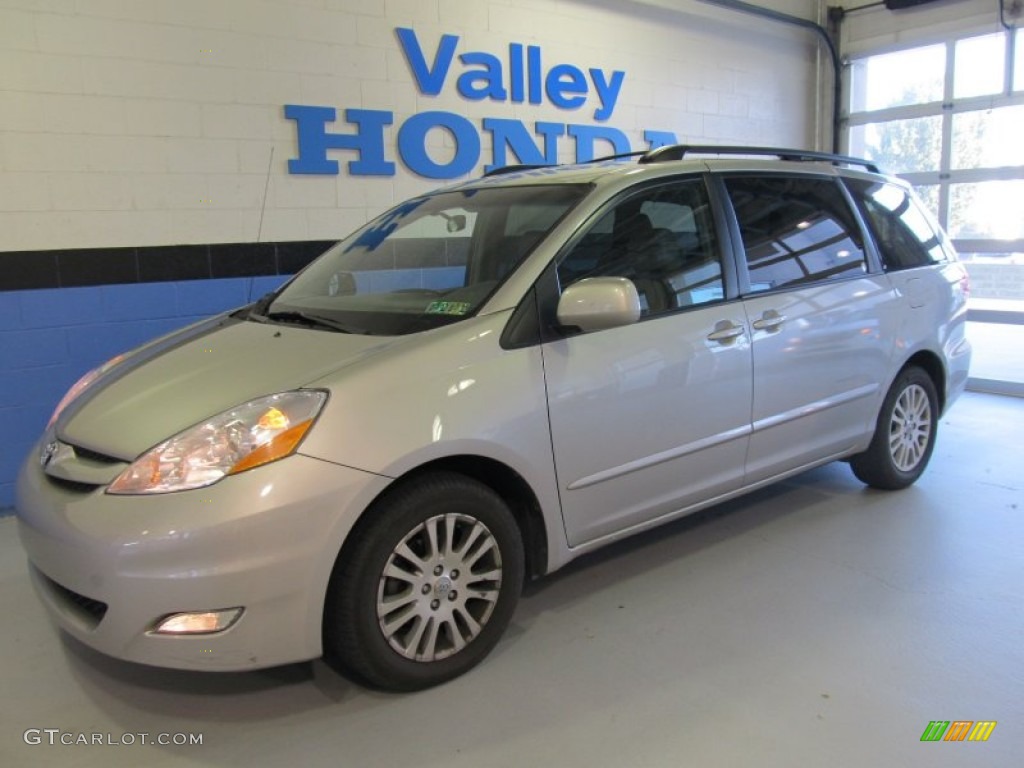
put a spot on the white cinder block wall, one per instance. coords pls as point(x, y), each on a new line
point(144, 122)
point(136, 138)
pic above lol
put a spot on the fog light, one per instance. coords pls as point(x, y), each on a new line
point(201, 623)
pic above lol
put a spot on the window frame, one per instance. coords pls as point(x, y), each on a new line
point(872, 260)
point(945, 176)
point(860, 200)
point(719, 222)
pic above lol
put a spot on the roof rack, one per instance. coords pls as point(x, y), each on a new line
point(672, 152)
point(679, 151)
point(619, 156)
point(527, 167)
point(514, 169)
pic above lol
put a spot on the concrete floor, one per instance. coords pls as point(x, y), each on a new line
point(814, 623)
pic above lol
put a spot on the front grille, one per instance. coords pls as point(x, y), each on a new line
point(90, 455)
point(91, 611)
point(76, 469)
point(72, 485)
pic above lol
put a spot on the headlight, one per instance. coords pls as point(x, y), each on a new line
point(81, 385)
point(247, 436)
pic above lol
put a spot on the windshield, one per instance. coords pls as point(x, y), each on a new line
point(430, 261)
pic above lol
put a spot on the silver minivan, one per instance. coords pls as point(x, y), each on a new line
point(477, 387)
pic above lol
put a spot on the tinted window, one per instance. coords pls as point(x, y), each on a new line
point(795, 230)
point(662, 239)
point(902, 230)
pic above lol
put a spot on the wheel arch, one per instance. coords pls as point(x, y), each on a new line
point(501, 479)
point(931, 364)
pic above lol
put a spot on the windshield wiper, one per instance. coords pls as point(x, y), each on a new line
point(255, 310)
point(305, 318)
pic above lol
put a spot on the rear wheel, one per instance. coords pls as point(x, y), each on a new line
point(904, 435)
point(427, 588)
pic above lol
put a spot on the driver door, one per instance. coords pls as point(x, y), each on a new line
point(651, 418)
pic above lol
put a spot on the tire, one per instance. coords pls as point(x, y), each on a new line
point(427, 586)
point(904, 435)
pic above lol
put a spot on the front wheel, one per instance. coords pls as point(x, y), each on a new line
point(904, 435)
point(427, 586)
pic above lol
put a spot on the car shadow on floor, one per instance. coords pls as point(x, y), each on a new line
point(115, 684)
point(689, 535)
point(128, 691)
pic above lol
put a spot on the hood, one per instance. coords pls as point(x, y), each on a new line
point(182, 379)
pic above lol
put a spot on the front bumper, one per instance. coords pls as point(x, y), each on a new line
point(108, 568)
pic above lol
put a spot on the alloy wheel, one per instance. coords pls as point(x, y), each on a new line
point(439, 587)
point(910, 428)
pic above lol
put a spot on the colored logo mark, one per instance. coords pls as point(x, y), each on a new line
point(958, 730)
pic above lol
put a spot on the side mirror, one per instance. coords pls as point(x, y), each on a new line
point(597, 303)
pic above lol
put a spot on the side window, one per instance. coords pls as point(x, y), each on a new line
point(662, 239)
point(795, 230)
point(902, 230)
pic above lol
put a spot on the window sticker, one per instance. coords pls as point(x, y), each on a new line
point(448, 307)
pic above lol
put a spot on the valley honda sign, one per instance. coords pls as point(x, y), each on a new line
point(523, 77)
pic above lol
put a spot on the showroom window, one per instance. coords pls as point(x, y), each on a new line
point(949, 118)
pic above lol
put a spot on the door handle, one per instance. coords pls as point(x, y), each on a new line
point(725, 332)
point(770, 321)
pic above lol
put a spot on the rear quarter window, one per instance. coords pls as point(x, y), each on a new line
point(905, 236)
